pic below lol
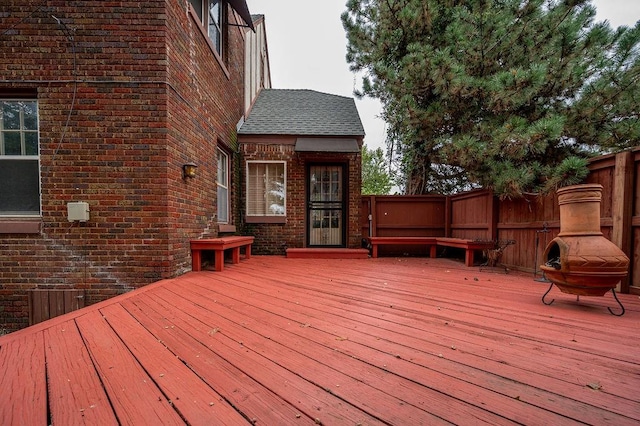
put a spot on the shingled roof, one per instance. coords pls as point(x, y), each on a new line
point(302, 112)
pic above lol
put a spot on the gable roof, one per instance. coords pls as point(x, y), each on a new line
point(302, 112)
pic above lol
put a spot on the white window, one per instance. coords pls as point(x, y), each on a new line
point(215, 24)
point(19, 158)
point(223, 187)
point(266, 189)
point(211, 16)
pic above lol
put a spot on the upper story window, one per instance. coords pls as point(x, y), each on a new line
point(211, 15)
point(215, 24)
point(19, 158)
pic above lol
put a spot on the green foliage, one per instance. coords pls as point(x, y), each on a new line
point(511, 95)
point(375, 178)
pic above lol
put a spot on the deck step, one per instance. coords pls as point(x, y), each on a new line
point(327, 253)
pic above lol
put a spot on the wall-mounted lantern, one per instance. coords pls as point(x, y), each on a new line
point(189, 170)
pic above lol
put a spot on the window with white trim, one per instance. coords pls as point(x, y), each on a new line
point(211, 14)
point(215, 24)
point(222, 181)
point(266, 188)
point(19, 158)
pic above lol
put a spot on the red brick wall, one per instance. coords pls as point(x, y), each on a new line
point(206, 106)
point(275, 238)
point(150, 96)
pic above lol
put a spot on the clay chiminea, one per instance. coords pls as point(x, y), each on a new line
point(580, 260)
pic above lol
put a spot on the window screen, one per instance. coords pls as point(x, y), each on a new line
point(266, 189)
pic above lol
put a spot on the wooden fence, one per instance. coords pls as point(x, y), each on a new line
point(532, 221)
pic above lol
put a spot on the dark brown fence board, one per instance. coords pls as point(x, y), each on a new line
point(604, 178)
point(636, 195)
point(471, 215)
point(365, 209)
point(393, 215)
point(531, 211)
point(523, 251)
point(621, 206)
point(634, 282)
point(634, 286)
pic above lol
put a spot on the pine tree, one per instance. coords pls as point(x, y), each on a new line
point(512, 95)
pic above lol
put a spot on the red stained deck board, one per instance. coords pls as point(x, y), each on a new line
point(135, 397)
point(386, 357)
point(193, 399)
point(76, 395)
point(340, 374)
point(311, 400)
point(606, 349)
point(523, 312)
point(23, 386)
point(425, 368)
point(255, 400)
point(421, 310)
point(576, 373)
point(463, 312)
point(490, 335)
point(277, 336)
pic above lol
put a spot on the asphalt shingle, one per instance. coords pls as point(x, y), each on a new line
point(302, 112)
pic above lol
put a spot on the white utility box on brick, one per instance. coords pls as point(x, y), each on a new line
point(78, 211)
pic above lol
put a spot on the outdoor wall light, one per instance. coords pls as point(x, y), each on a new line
point(189, 170)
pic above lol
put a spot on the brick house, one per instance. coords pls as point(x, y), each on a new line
point(106, 107)
point(301, 152)
point(102, 105)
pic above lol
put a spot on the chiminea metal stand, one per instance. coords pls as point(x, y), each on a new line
point(578, 299)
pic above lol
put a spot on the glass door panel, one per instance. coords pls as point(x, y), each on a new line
point(326, 206)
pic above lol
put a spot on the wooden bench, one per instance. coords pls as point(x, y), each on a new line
point(428, 241)
point(470, 246)
point(219, 245)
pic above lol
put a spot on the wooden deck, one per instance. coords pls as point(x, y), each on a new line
point(276, 341)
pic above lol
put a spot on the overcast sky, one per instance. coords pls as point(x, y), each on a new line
point(307, 47)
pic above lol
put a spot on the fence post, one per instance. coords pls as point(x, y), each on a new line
point(447, 216)
point(622, 209)
point(373, 223)
point(492, 216)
